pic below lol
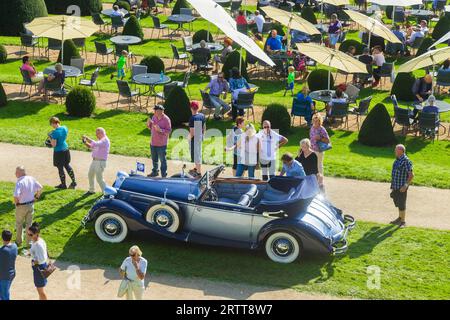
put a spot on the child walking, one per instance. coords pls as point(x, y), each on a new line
point(121, 63)
point(290, 80)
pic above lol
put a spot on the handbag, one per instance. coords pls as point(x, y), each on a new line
point(48, 270)
point(323, 146)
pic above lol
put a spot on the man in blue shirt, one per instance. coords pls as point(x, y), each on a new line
point(8, 255)
point(291, 167)
point(218, 86)
point(274, 43)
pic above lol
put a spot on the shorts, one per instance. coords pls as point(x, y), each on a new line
point(61, 158)
point(399, 199)
point(39, 280)
point(290, 86)
point(196, 150)
point(334, 37)
point(121, 73)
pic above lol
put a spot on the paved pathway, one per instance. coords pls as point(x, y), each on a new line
point(367, 201)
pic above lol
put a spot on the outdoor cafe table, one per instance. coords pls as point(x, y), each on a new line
point(213, 47)
point(180, 19)
point(324, 96)
point(443, 106)
point(125, 40)
point(69, 71)
point(109, 12)
point(151, 80)
point(420, 13)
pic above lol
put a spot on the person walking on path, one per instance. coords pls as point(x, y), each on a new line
point(26, 192)
point(100, 151)
point(61, 153)
point(270, 142)
point(160, 127)
point(402, 176)
point(197, 128)
point(133, 269)
point(8, 255)
point(39, 258)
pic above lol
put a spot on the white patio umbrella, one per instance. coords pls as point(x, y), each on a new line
point(430, 58)
point(62, 27)
point(331, 58)
point(445, 38)
point(396, 3)
point(373, 26)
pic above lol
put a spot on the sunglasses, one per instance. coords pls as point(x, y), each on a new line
point(30, 234)
point(266, 127)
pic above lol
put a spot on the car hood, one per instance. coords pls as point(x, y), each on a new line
point(176, 188)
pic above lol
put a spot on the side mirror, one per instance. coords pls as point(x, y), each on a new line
point(191, 197)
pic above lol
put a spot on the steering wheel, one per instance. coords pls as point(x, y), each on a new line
point(212, 195)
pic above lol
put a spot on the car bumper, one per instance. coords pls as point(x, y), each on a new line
point(341, 246)
point(90, 215)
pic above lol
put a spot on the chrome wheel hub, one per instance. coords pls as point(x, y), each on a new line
point(282, 247)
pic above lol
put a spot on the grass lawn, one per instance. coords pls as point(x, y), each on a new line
point(27, 123)
point(413, 261)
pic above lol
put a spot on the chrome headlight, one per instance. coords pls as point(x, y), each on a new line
point(110, 192)
point(120, 178)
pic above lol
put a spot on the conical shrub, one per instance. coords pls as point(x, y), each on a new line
point(86, 6)
point(178, 5)
point(308, 14)
point(3, 54)
point(426, 43)
point(133, 28)
point(402, 87)
point(376, 129)
point(318, 80)
point(3, 98)
point(278, 116)
point(350, 42)
point(80, 102)
point(154, 64)
point(442, 27)
point(232, 61)
point(202, 35)
point(14, 13)
point(123, 5)
point(70, 51)
point(177, 106)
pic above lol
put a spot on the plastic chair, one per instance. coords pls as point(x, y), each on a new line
point(158, 26)
point(126, 92)
point(301, 109)
point(245, 101)
point(185, 83)
point(103, 50)
point(78, 63)
point(178, 56)
point(386, 71)
point(167, 88)
point(428, 125)
point(442, 79)
point(339, 110)
point(207, 102)
point(188, 42)
point(81, 43)
point(116, 23)
point(29, 41)
point(92, 82)
point(27, 81)
point(362, 109)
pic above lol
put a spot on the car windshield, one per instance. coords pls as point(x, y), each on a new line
point(209, 177)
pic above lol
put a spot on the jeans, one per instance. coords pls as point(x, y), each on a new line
point(242, 167)
point(159, 154)
point(5, 285)
point(220, 105)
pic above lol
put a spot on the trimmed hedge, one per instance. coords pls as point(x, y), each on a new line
point(178, 5)
point(308, 14)
point(402, 87)
point(3, 99)
point(123, 5)
point(389, 10)
point(318, 79)
point(133, 28)
point(202, 35)
point(86, 6)
point(376, 129)
point(350, 42)
point(3, 54)
point(232, 61)
point(14, 13)
point(70, 51)
point(80, 102)
point(177, 106)
point(278, 116)
point(154, 64)
point(442, 27)
point(426, 43)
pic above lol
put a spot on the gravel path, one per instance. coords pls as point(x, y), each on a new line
point(367, 201)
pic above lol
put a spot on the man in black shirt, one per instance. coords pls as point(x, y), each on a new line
point(422, 90)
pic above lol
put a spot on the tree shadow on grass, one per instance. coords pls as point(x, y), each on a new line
point(372, 238)
point(19, 109)
point(6, 206)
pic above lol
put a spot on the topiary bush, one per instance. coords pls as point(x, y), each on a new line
point(154, 64)
point(80, 102)
point(133, 28)
point(3, 54)
point(14, 13)
point(3, 98)
point(70, 51)
point(202, 35)
point(177, 106)
point(426, 43)
point(178, 5)
point(232, 61)
point(376, 129)
point(402, 87)
point(350, 42)
point(318, 79)
point(278, 116)
point(389, 10)
point(123, 5)
point(442, 27)
point(308, 14)
point(86, 6)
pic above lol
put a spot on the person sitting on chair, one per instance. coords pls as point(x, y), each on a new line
point(422, 88)
point(202, 50)
point(431, 108)
point(339, 97)
point(305, 99)
point(416, 34)
point(58, 75)
point(275, 42)
point(445, 66)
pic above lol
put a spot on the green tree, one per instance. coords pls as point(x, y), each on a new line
point(308, 14)
point(80, 102)
point(442, 27)
point(86, 6)
point(177, 106)
point(70, 51)
point(232, 61)
point(154, 64)
point(402, 87)
point(3, 98)
point(278, 116)
point(14, 13)
point(376, 129)
point(178, 5)
point(318, 80)
point(133, 28)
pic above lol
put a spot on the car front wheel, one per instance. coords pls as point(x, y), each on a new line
point(282, 247)
point(164, 216)
point(110, 227)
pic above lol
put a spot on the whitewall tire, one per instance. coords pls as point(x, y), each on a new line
point(110, 227)
point(164, 216)
point(282, 247)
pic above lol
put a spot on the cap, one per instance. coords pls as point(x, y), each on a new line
point(194, 105)
point(158, 107)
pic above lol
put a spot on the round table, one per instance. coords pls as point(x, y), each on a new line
point(322, 95)
point(180, 19)
point(420, 13)
point(151, 80)
point(213, 47)
point(443, 106)
point(68, 70)
point(109, 12)
point(125, 40)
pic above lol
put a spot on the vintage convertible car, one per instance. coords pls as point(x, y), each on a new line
point(285, 216)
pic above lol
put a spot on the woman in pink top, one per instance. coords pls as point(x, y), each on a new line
point(27, 65)
point(318, 133)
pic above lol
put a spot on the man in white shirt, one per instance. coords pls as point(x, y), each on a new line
point(259, 21)
point(416, 34)
point(26, 192)
point(133, 269)
point(116, 12)
point(270, 141)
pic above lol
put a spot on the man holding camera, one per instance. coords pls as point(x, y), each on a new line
point(100, 151)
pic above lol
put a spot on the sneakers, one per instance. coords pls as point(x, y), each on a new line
point(396, 221)
point(72, 185)
point(89, 193)
point(402, 224)
point(61, 186)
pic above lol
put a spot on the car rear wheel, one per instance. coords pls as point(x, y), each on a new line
point(282, 247)
point(110, 227)
point(164, 216)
